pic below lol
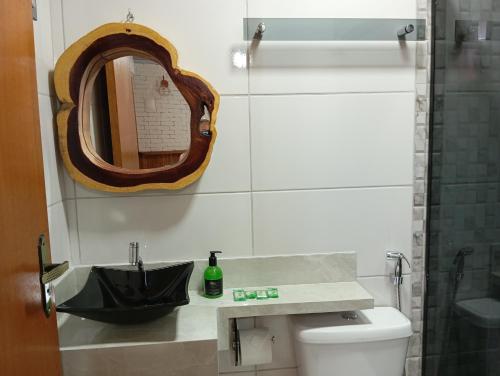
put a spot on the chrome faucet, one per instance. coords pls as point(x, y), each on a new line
point(397, 277)
point(133, 255)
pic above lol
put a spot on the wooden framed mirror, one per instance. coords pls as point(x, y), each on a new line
point(131, 119)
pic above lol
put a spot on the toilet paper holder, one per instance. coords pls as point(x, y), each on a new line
point(236, 343)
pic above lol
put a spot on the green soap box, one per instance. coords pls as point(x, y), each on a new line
point(250, 294)
point(272, 293)
point(239, 295)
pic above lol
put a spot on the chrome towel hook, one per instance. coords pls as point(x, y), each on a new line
point(261, 28)
point(410, 28)
point(259, 32)
point(129, 18)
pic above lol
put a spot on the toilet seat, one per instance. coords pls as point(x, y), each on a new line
point(370, 342)
point(482, 312)
point(378, 324)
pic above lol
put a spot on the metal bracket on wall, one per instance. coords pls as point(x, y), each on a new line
point(333, 29)
point(34, 10)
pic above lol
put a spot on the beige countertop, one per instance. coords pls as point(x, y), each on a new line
point(194, 338)
point(207, 319)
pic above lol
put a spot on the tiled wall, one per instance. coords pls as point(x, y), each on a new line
point(465, 189)
point(315, 153)
point(311, 155)
point(163, 115)
point(422, 88)
point(56, 181)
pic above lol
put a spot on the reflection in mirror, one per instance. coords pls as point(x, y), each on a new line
point(204, 126)
point(138, 117)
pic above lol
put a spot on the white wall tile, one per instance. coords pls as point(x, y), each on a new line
point(384, 292)
point(85, 192)
point(368, 221)
point(204, 32)
point(74, 241)
point(320, 141)
point(333, 9)
point(56, 18)
point(43, 47)
point(52, 166)
point(229, 167)
point(48, 36)
point(332, 67)
point(58, 230)
point(61, 220)
point(170, 227)
point(69, 183)
point(327, 67)
point(278, 372)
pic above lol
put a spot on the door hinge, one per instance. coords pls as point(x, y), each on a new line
point(34, 12)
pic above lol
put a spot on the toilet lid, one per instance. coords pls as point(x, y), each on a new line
point(378, 324)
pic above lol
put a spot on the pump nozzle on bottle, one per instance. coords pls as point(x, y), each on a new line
point(213, 277)
point(212, 260)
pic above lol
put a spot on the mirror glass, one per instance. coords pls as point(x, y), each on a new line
point(138, 118)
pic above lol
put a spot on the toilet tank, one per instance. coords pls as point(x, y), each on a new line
point(371, 342)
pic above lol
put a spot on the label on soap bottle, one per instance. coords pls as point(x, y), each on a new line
point(213, 288)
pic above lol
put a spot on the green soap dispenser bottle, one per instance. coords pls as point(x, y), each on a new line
point(213, 277)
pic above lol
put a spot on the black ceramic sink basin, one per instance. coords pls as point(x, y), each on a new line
point(128, 295)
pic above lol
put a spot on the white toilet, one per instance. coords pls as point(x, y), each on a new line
point(371, 342)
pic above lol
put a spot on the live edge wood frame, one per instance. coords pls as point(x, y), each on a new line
point(74, 76)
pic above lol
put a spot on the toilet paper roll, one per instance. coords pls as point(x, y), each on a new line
point(256, 347)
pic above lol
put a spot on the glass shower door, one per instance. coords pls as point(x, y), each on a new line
point(462, 308)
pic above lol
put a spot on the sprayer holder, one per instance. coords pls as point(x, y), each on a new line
point(397, 277)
